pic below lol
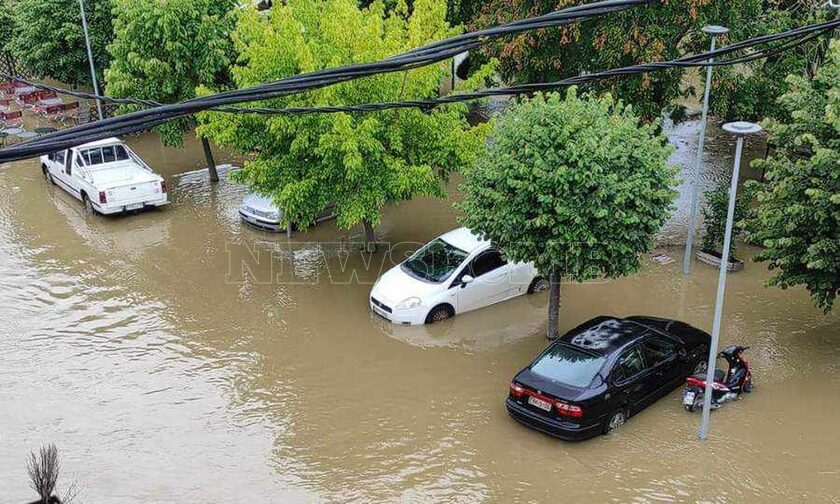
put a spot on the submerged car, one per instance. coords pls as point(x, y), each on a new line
point(454, 273)
point(107, 176)
point(592, 379)
point(260, 211)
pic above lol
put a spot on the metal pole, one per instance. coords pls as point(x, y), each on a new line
point(721, 288)
point(90, 59)
point(714, 31)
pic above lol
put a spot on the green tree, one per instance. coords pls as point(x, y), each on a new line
point(7, 23)
point(361, 162)
point(714, 216)
point(798, 214)
point(578, 186)
point(48, 41)
point(657, 32)
point(749, 93)
point(164, 50)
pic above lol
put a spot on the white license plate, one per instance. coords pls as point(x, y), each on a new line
point(688, 398)
point(539, 403)
point(135, 206)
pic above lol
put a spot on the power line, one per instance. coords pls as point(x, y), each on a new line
point(149, 118)
point(415, 58)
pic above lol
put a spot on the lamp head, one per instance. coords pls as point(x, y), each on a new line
point(715, 30)
point(742, 128)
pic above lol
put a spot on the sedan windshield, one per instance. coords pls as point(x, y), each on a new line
point(435, 261)
point(568, 365)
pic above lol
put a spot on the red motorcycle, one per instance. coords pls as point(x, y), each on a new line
point(727, 386)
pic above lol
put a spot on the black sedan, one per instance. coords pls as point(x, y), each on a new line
point(590, 380)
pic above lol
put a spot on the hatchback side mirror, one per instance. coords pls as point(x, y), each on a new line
point(466, 279)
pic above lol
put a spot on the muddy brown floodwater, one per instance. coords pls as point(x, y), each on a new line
point(166, 374)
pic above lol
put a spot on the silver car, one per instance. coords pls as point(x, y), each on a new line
point(260, 211)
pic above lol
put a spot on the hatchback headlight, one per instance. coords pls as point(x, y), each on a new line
point(407, 304)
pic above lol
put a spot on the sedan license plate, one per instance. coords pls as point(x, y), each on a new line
point(688, 398)
point(539, 403)
point(135, 206)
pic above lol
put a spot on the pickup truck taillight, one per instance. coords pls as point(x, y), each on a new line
point(163, 186)
point(103, 198)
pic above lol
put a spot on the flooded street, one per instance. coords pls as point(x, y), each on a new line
point(179, 356)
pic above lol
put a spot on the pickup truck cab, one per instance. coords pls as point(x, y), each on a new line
point(107, 176)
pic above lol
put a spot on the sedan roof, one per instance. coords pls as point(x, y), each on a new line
point(603, 335)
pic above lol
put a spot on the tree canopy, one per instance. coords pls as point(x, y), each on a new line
point(798, 214)
point(48, 41)
point(660, 31)
point(749, 93)
point(358, 161)
point(164, 50)
point(576, 185)
point(657, 32)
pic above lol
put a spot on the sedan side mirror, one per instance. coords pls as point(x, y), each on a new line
point(466, 279)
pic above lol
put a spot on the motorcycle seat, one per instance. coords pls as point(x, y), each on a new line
point(720, 375)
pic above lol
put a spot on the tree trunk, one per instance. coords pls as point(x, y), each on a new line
point(370, 237)
point(211, 163)
point(553, 306)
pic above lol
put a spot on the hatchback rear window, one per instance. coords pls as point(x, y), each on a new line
point(568, 365)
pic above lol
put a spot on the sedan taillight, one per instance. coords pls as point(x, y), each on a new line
point(163, 186)
point(516, 389)
point(103, 198)
point(569, 410)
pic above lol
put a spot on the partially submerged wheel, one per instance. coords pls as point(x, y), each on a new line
point(47, 175)
point(748, 387)
point(89, 210)
point(538, 284)
point(698, 403)
point(439, 313)
point(616, 420)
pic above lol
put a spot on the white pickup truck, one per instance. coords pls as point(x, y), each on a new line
point(106, 176)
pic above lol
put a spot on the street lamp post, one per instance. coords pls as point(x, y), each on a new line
point(90, 58)
point(740, 129)
point(714, 31)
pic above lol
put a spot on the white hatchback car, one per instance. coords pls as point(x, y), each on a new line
point(454, 273)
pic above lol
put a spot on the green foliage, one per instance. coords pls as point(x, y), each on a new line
point(714, 217)
point(164, 49)
point(749, 93)
point(7, 20)
point(578, 186)
point(798, 217)
point(359, 161)
point(48, 41)
point(661, 31)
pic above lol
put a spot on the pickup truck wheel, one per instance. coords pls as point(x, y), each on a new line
point(48, 175)
point(89, 210)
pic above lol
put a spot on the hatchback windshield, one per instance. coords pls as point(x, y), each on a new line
point(567, 365)
point(435, 261)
